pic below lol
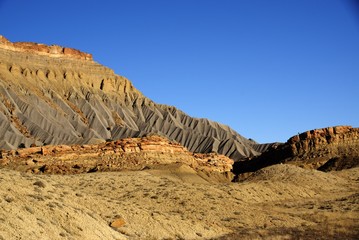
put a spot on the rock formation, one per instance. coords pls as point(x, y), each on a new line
point(42, 49)
point(332, 148)
point(124, 154)
point(52, 95)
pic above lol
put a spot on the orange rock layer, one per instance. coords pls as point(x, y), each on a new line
point(323, 139)
point(124, 154)
point(326, 149)
point(42, 49)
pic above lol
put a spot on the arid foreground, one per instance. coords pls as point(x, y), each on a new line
point(85, 155)
point(173, 202)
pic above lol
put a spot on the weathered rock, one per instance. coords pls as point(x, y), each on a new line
point(28, 151)
point(332, 148)
point(124, 154)
point(214, 162)
point(117, 223)
point(53, 51)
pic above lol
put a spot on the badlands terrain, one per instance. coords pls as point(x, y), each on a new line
point(84, 155)
point(46, 89)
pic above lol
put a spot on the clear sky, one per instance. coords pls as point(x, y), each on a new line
point(267, 68)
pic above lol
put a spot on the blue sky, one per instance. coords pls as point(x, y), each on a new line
point(268, 69)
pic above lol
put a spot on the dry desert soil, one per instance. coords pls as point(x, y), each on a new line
point(175, 202)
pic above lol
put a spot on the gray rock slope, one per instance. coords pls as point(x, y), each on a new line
point(63, 100)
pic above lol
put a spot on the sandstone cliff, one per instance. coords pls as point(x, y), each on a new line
point(53, 95)
point(124, 154)
point(42, 49)
point(332, 148)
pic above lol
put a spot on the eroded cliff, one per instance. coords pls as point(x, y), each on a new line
point(53, 95)
point(42, 49)
point(332, 148)
point(120, 155)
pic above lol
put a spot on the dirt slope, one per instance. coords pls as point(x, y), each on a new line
point(174, 202)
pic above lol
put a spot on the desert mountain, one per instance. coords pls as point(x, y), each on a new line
point(110, 163)
point(54, 95)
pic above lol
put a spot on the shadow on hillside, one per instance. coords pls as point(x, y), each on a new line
point(319, 233)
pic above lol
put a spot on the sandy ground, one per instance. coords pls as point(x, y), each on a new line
point(174, 202)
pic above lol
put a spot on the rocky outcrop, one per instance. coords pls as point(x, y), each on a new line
point(124, 154)
point(332, 148)
point(47, 100)
point(42, 49)
point(324, 141)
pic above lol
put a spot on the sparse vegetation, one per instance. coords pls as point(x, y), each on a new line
point(40, 184)
point(22, 145)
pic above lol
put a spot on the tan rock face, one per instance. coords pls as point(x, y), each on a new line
point(124, 154)
point(36, 48)
point(324, 141)
point(214, 162)
point(332, 148)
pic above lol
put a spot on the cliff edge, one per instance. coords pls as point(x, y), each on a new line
point(42, 49)
point(326, 149)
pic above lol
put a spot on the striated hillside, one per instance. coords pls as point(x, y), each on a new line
point(326, 149)
point(53, 95)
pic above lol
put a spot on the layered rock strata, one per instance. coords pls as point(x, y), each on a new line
point(55, 95)
point(42, 49)
point(124, 154)
point(332, 148)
